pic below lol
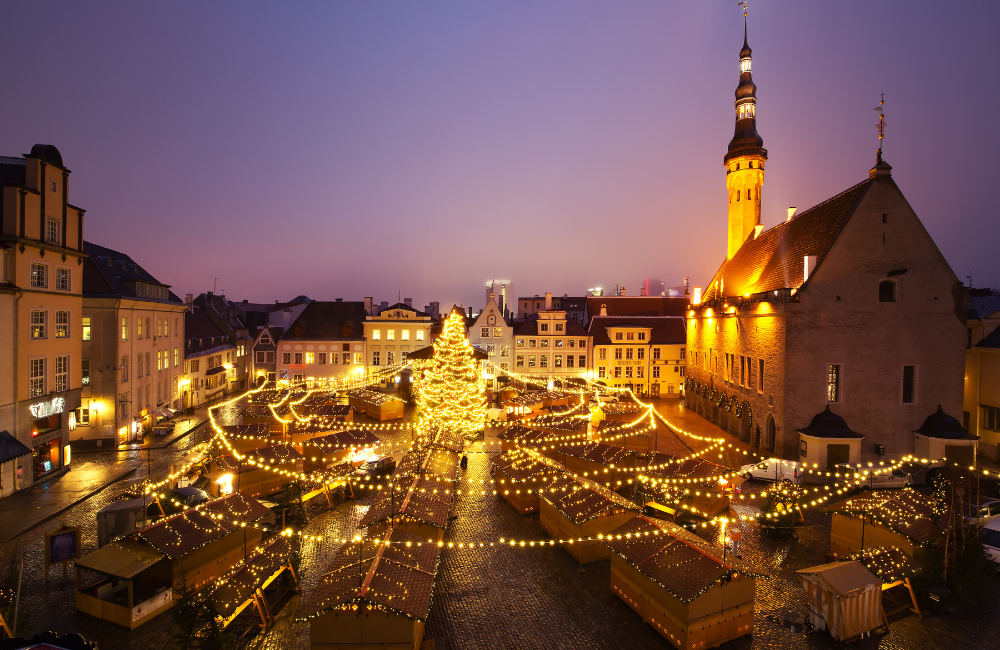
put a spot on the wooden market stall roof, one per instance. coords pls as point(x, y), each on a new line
point(906, 511)
point(441, 463)
point(325, 410)
point(523, 435)
point(346, 439)
point(685, 565)
point(598, 452)
point(237, 588)
point(124, 559)
point(694, 469)
point(580, 500)
point(521, 465)
point(418, 498)
point(449, 440)
point(247, 430)
point(371, 397)
point(622, 408)
point(267, 396)
point(257, 410)
point(178, 535)
point(395, 572)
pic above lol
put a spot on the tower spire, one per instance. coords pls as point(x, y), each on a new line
point(881, 127)
point(745, 158)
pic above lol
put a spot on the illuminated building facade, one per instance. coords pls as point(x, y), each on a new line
point(41, 248)
point(549, 345)
point(492, 334)
point(848, 305)
point(644, 353)
point(394, 333)
point(325, 341)
point(133, 348)
point(209, 357)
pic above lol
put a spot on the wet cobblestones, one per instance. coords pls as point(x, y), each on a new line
point(501, 597)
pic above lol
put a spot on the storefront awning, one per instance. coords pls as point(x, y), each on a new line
point(11, 447)
point(122, 559)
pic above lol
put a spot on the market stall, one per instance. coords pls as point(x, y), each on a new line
point(844, 598)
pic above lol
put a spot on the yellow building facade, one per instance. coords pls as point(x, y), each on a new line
point(41, 312)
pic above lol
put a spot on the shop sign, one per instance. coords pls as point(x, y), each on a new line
point(44, 409)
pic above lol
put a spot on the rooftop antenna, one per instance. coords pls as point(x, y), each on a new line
point(215, 281)
point(881, 127)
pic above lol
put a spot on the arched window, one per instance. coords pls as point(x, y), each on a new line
point(124, 369)
point(887, 291)
point(771, 432)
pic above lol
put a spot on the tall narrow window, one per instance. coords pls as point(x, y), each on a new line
point(85, 328)
point(36, 377)
point(760, 375)
point(887, 291)
point(138, 366)
point(38, 324)
point(38, 275)
point(62, 324)
point(124, 369)
point(52, 231)
point(909, 384)
point(85, 372)
point(124, 328)
point(62, 373)
point(62, 280)
point(833, 383)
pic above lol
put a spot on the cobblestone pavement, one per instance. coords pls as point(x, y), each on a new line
point(503, 597)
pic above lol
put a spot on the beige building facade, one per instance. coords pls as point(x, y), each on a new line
point(40, 312)
point(394, 333)
point(644, 353)
point(981, 412)
point(133, 349)
point(552, 348)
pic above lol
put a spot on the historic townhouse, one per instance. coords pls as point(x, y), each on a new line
point(847, 307)
point(41, 315)
point(644, 353)
point(982, 372)
point(133, 348)
point(326, 341)
point(549, 346)
point(492, 334)
point(396, 332)
point(209, 359)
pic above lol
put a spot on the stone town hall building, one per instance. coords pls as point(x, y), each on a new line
point(848, 306)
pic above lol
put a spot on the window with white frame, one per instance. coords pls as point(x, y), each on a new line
point(420, 335)
point(124, 328)
point(36, 377)
point(376, 335)
point(504, 350)
point(123, 368)
point(390, 358)
point(62, 324)
point(62, 280)
point(376, 358)
point(497, 333)
point(52, 232)
point(484, 332)
point(62, 373)
point(656, 372)
point(390, 335)
point(85, 328)
point(656, 354)
point(37, 324)
point(39, 275)
point(406, 335)
point(259, 356)
point(581, 361)
point(358, 359)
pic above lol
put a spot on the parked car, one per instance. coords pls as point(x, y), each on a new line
point(882, 478)
point(375, 467)
point(989, 536)
point(988, 509)
point(774, 469)
point(189, 496)
point(922, 473)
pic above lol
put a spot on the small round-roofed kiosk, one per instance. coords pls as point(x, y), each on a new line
point(942, 436)
point(828, 441)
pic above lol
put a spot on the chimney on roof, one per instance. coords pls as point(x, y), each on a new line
point(408, 302)
point(604, 310)
point(189, 301)
point(368, 305)
point(383, 305)
point(642, 291)
point(548, 300)
point(340, 300)
point(209, 294)
point(791, 213)
point(245, 301)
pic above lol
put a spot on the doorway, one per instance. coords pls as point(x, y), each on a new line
point(837, 454)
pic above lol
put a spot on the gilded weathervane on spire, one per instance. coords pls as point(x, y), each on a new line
point(881, 126)
point(744, 5)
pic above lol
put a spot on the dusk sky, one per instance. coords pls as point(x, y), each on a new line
point(358, 149)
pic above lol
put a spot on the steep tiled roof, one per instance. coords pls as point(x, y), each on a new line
point(637, 305)
point(397, 576)
point(664, 329)
point(108, 272)
point(12, 170)
point(984, 306)
point(677, 560)
point(529, 327)
point(774, 260)
point(325, 320)
point(991, 341)
point(203, 334)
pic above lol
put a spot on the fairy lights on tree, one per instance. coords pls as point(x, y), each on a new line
point(451, 394)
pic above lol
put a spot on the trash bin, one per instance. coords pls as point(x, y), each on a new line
point(939, 595)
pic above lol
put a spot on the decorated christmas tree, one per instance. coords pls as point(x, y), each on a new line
point(451, 393)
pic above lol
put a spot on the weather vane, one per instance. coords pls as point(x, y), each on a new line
point(881, 125)
point(744, 5)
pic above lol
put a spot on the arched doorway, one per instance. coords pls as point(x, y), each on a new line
point(771, 431)
point(746, 432)
point(756, 437)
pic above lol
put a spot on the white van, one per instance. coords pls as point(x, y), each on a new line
point(990, 538)
point(880, 478)
point(774, 469)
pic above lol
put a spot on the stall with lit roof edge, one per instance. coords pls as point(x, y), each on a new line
point(244, 589)
point(578, 510)
point(375, 594)
point(414, 504)
point(139, 574)
point(695, 594)
point(349, 446)
point(894, 568)
point(519, 477)
point(258, 472)
point(378, 406)
point(902, 519)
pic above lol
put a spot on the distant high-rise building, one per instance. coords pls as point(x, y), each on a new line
point(654, 287)
point(503, 291)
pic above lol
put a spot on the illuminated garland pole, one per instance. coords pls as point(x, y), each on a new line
point(451, 394)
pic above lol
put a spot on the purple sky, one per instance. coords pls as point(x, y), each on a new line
point(355, 149)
